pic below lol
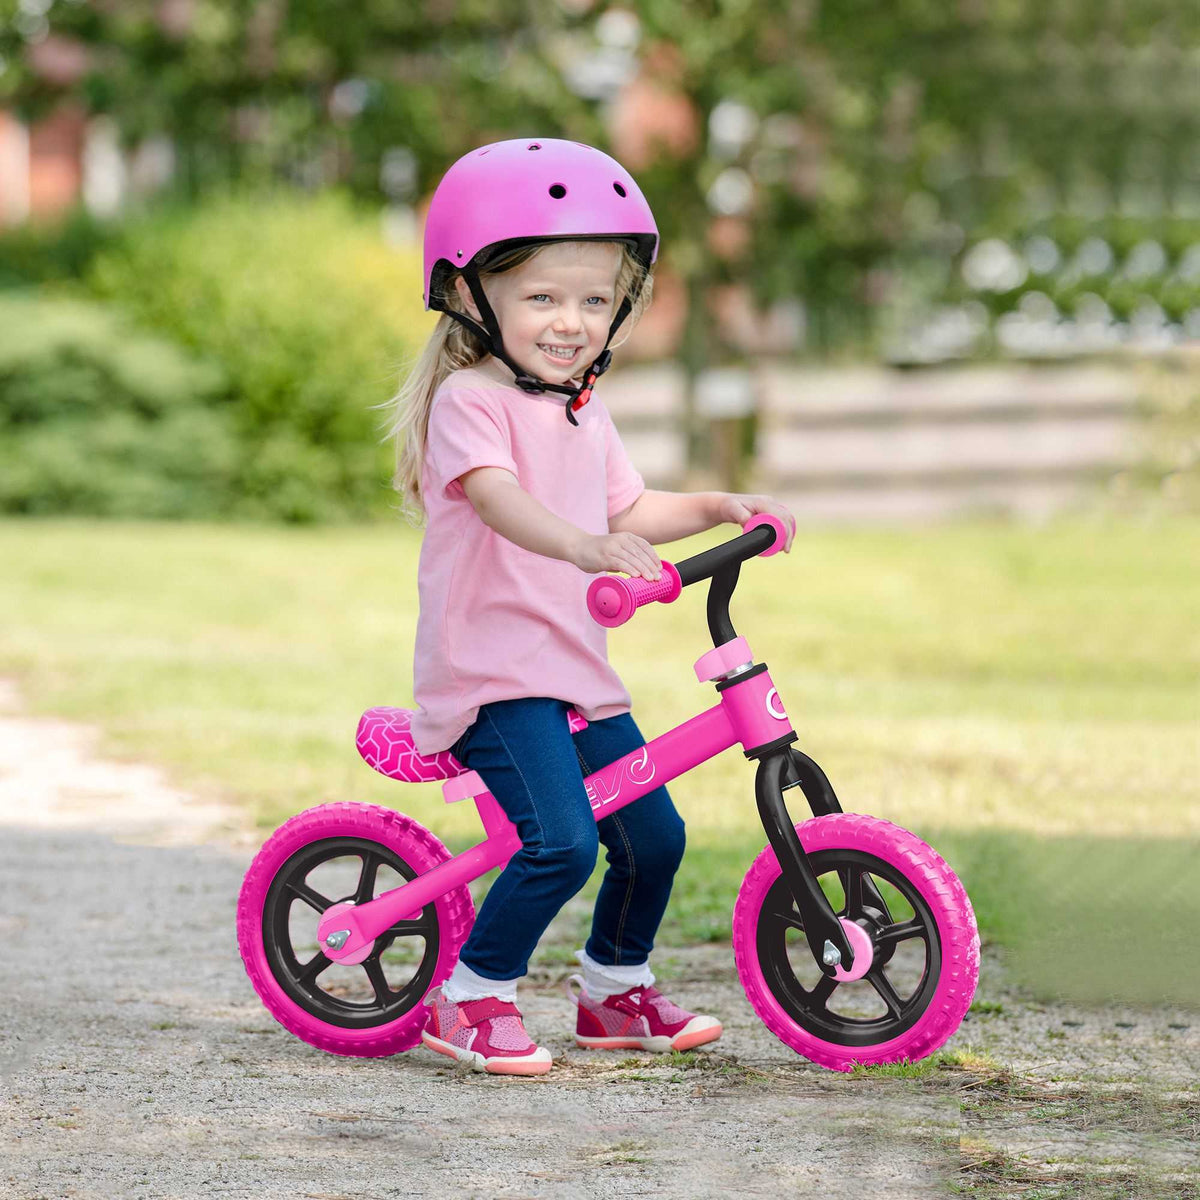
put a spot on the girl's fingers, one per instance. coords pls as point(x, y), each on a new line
point(642, 561)
point(633, 557)
point(637, 567)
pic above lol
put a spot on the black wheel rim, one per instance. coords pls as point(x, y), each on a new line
point(300, 979)
point(820, 1007)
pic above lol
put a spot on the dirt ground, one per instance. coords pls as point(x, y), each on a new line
point(138, 1062)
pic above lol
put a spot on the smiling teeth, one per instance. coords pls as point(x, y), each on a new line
point(557, 352)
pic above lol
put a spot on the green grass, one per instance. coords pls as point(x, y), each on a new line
point(1025, 699)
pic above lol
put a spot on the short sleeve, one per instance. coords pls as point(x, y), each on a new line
point(625, 484)
point(466, 430)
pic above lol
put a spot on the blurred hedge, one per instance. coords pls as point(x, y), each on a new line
point(35, 253)
point(310, 314)
point(98, 418)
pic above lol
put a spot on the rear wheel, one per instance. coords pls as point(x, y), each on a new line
point(923, 938)
point(334, 854)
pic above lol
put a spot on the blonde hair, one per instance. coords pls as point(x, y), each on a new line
point(452, 347)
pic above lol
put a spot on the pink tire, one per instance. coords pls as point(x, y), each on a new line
point(924, 946)
point(374, 1008)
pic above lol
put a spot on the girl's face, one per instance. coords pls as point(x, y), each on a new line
point(554, 310)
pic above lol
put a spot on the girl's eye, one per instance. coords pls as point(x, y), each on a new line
point(599, 299)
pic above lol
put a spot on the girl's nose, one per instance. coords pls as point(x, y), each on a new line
point(568, 319)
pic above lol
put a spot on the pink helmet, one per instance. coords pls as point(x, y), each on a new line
point(532, 189)
point(525, 190)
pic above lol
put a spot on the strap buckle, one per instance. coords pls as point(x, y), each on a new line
point(584, 394)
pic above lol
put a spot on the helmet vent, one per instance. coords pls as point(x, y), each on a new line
point(619, 190)
point(557, 191)
point(534, 146)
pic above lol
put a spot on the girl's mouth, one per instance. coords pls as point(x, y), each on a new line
point(562, 356)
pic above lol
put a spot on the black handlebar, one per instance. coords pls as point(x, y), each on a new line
point(731, 553)
point(722, 564)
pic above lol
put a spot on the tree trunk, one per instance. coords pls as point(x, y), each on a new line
point(694, 358)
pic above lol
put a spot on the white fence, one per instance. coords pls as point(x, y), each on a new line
point(880, 444)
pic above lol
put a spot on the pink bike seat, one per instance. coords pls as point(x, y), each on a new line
point(385, 742)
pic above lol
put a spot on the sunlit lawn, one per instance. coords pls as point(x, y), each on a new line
point(978, 683)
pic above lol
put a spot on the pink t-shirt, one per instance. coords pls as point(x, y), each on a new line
point(499, 622)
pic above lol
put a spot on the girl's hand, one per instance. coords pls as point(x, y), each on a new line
point(739, 509)
point(617, 552)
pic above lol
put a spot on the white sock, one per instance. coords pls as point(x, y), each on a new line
point(463, 984)
point(601, 981)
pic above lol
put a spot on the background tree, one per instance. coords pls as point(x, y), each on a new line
point(837, 161)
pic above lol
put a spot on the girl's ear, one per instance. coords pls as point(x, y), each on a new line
point(464, 294)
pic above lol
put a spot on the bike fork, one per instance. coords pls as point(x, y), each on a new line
point(827, 941)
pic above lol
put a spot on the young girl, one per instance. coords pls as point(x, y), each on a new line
point(536, 250)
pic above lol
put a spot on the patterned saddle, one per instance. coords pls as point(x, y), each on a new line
point(385, 742)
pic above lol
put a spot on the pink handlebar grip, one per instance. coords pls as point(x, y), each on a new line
point(612, 599)
point(781, 532)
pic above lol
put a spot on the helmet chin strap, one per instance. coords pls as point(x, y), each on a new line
point(492, 338)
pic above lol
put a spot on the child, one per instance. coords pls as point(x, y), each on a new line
point(536, 250)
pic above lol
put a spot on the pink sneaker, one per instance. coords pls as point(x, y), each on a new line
point(488, 1033)
point(640, 1019)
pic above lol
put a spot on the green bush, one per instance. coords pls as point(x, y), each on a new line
point(98, 418)
point(36, 253)
point(309, 312)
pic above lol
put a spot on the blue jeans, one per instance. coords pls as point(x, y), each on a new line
point(535, 767)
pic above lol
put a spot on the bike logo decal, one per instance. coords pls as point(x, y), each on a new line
point(641, 771)
point(602, 788)
point(774, 694)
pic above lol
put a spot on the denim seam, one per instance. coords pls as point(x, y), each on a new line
point(587, 770)
point(633, 869)
point(628, 889)
point(524, 781)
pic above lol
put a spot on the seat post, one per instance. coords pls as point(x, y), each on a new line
point(496, 823)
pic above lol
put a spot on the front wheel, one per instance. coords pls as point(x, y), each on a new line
point(924, 946)
point(328, 855)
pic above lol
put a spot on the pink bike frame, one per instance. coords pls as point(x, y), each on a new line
point(749, 712)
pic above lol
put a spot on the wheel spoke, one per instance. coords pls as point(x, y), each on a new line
point(309, 895)
point(418, 926)
point(900, 932)
point(871, 896)
point(366, 879)
point(790, 915)
point(852, 885)
point(313, 967)
point(887, 993)
point(821, 992)
point(379, 984)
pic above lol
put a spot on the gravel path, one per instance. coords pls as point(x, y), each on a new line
point(138, 1061)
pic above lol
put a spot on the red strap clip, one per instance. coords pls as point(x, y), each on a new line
point(585, 393)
